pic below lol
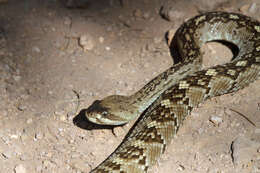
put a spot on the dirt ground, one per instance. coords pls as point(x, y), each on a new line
point(57, 57)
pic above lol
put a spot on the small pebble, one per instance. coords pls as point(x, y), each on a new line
point(29, 121)
point(14, 136)
point(146, 15)
point(216, 120)
point(107, 48)
point(21, 107)
point(171, 14)
point(63, 117)
point(17, 78)
point(101, 39)
point(36, 49)
point(38, 136)
point(50, 92)
point(138, 13)
point(86, 42)
point(20, 169)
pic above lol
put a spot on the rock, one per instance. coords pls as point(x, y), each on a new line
point(86, 42)
point(146, 15)
point(17, 78)
point(138, 13)
point(29, 120)
point(20, 169)
point(22, 107)
point(36, 49)
point(107, 48)
point(216, 120)
point(38, 136)
point(63, 117)
point(101, 39)
point(170, 13)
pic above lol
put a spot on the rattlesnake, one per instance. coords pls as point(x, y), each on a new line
point(165, 102)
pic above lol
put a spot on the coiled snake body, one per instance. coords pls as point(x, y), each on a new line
point(165, 102)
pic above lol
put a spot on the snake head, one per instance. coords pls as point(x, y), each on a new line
point(112, 110)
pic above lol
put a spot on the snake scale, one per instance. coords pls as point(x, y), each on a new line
point(164, 103)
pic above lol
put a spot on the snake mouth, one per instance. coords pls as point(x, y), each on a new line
point(101, 120)
point(94, 120)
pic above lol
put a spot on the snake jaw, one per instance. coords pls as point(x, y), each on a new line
point(98, 118)
point(104, 112)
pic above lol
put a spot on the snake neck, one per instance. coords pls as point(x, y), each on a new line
point(143, 98)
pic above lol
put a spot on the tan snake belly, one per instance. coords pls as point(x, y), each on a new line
point(158, 124)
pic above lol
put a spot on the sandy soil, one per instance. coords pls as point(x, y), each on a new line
point(57, 57)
